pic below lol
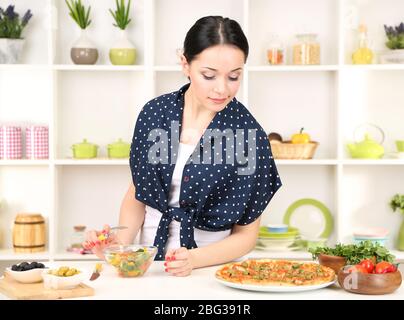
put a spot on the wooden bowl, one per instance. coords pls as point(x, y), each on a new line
point(333, 262)
point(369, 283)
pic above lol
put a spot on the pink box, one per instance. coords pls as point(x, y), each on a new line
point(10, 142)
point(37, 142)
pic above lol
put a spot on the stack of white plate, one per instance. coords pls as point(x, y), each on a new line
point(278, 241)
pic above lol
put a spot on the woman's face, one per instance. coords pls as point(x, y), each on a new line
point(215, 75)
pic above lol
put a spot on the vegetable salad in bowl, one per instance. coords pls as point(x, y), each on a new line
point(130, 260)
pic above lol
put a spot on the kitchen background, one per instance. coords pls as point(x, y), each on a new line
point(330, 99)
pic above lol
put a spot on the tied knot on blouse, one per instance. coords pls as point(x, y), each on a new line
point(229, 178)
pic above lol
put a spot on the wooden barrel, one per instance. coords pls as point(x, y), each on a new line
point(29, 233)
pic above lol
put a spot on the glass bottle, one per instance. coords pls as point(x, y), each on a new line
point(78, 237)
point(275, 51)
point(363, 55)
point(306, 51)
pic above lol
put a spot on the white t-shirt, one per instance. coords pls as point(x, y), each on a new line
point(153, 216)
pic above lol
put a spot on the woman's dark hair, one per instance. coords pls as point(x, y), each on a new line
point(213, 30)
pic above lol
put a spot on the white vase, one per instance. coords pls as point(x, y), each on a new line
point(10, 50)
point(83, 50)
point(123, 52)
point(392, 56)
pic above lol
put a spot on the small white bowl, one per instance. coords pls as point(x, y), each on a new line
point(29, 276)
point(56, 282)
point(278, 228)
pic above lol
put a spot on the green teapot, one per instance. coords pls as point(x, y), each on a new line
point(119, 149)
point(84, 150)
point(366, 149)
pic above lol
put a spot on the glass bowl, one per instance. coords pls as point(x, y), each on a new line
point(130, 260)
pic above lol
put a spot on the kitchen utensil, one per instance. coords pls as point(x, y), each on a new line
point(96, 272)
point(37, 142)
point(10, 142)
point(369, 283)
point(371, 145)
point(130, 260)
point(278, 228)
point(84, 150)
point(311, 217)
point(119, 149)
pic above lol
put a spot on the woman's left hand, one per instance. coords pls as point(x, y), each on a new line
point(179, 262)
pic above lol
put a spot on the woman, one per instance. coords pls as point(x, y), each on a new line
point(199, 208)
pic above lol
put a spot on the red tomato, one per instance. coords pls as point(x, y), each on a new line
point(368, 265)
point(357, 268)
point(385, 267)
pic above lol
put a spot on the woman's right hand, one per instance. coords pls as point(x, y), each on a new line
point(97, 241)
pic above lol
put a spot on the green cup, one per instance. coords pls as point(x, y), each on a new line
point(400, 145)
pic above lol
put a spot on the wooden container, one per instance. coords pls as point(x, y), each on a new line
point(334, 262)
point(296, 151)
point(369, 283)
point(29, 233)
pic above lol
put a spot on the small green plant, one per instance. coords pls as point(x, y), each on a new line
point(79, 13)
point(121, 14)
point(397, 203)
point(395, 36)
point(11, 25)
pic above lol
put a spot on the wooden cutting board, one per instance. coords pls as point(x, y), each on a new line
point(36, 291)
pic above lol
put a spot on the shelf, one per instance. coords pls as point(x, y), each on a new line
point(73, 67)
point(309, 162)
point(373, 162)
point(24, 67)
point(292, 68)
point(9, 254)
point(374, 67)
point(92, 162)
point(167, 68)
point(24, 162)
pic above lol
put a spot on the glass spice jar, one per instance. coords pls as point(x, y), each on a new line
point(275, 51)
point(307, 49)
point(78, 237)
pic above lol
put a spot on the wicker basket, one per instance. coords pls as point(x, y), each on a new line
point(289, 150)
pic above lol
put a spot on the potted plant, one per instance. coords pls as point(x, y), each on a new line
point(397, 203)
point(395, 42)
point(123, 51)
point(11, 27)
point(83, 50)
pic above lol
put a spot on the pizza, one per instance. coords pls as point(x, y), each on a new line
point(267, 272)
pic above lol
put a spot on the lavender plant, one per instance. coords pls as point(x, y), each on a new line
point(11, 25)
point(395, 36)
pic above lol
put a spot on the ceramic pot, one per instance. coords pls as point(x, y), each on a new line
point(123, 51)
point(11, 50)
point(83, 50)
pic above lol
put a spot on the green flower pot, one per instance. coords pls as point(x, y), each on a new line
point(122, 56)
point(123, 52)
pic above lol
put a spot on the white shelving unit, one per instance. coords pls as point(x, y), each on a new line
point(101, 103)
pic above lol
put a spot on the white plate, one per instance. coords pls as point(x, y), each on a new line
point(252, 287)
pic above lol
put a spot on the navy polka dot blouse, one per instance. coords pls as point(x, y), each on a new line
point(229, 179)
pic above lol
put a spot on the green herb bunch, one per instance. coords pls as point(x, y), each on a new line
point(397, 203)
point(355, 253)
point(79, 13)
point(395, 36)
point(121, 14)
point(11, 24)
